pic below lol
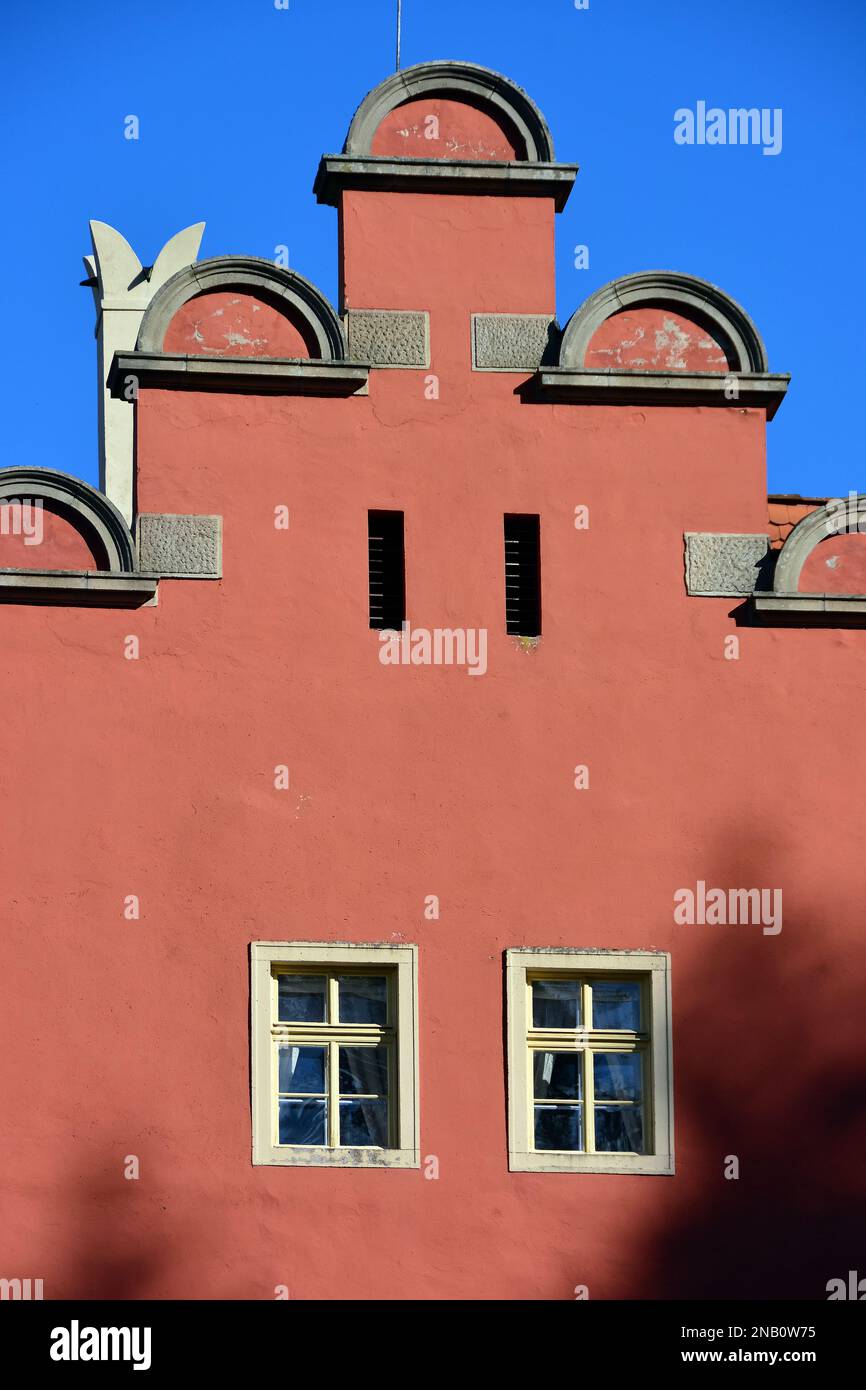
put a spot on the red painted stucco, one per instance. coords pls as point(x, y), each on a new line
point(654, 340)
point(38, 538)
point(441, 128)
point(836, 566)
point(155, 777)
point(227, 323)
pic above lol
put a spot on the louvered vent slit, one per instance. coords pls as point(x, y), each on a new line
point(387, 584)
point(523, 576)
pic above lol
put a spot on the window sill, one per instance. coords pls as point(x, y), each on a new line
point(311, 1157)
point(652, 1165)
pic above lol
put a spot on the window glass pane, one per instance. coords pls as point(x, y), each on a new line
point(363, 1071)
point(303, 1121)
point(364, 1122)
point(559, 1126)
point(301, 998)
point(363, 998)
point(616, 1004)
point(557, 1075)
point(617, 1075)
point(619, 1129)
point(556, 1003)
point(302, 1069)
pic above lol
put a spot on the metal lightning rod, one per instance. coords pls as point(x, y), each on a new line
point(399, 28)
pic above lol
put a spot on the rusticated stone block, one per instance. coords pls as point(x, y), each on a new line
point(389, 337)
point(180, 546)
point(723, 565)
point(509, 342)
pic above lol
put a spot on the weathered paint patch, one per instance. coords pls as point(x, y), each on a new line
point(654, 340)
point(439, 128)
point(227, 323)
point(836, 566)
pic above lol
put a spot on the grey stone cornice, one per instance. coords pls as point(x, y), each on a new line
point(258, 375)
point(809, 610)
point(389, 173)
point(584, 386)
point(79, 588)
point(469, 82)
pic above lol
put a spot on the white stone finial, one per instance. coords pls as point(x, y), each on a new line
point(122, 292)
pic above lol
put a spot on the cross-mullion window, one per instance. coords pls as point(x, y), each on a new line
point(589, 1060)
point(588, 1051)
point(333, 1035)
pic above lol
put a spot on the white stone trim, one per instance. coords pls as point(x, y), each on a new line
point(522, 1157)
point(403, 959)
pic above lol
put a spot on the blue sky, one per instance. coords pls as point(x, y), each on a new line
point(237, 100)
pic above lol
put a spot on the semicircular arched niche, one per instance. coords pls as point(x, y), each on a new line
point(490, 117)
point(79, 528)
point(242, 306)
point(662, 321)
point(826, 551)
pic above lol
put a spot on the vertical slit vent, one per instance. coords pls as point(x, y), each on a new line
point(523, 576)
point(386, 569)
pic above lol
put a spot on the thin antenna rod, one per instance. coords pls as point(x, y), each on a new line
point(399, 28)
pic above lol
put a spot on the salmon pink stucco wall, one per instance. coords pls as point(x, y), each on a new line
point(654, 340)
point(34, 537)
point(230, 324)
point(441, 128)
point(154, 777)
point(836, 566)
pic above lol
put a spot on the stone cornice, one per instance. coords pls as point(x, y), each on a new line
point(585, 386)
point(809, 610)
point(78, 588)
point(392, 173)
point(257, 375)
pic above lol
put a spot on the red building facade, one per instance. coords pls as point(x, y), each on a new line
point(516, 955)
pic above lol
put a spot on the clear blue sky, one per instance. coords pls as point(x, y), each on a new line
point(237, 100)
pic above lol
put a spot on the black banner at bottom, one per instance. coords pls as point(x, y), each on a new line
point(63, 1339)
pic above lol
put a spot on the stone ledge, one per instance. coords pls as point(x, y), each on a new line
point(723, 564)
point(87, 588)
point(809, 610)
point(389, 337)
point(179, 546)
point(510, 342)
point(399, 173)
point(259, 375)
point(583, 386)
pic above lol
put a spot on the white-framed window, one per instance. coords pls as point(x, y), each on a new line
point(334, 1054)
point(589, 1061)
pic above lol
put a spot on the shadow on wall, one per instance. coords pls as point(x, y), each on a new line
point(113, 1250)
point(769, 1069)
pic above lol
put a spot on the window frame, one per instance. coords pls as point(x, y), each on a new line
point(653, 969)
point(400, 964)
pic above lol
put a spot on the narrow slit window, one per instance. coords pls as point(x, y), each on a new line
point(387, 581)
point(523, 576)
